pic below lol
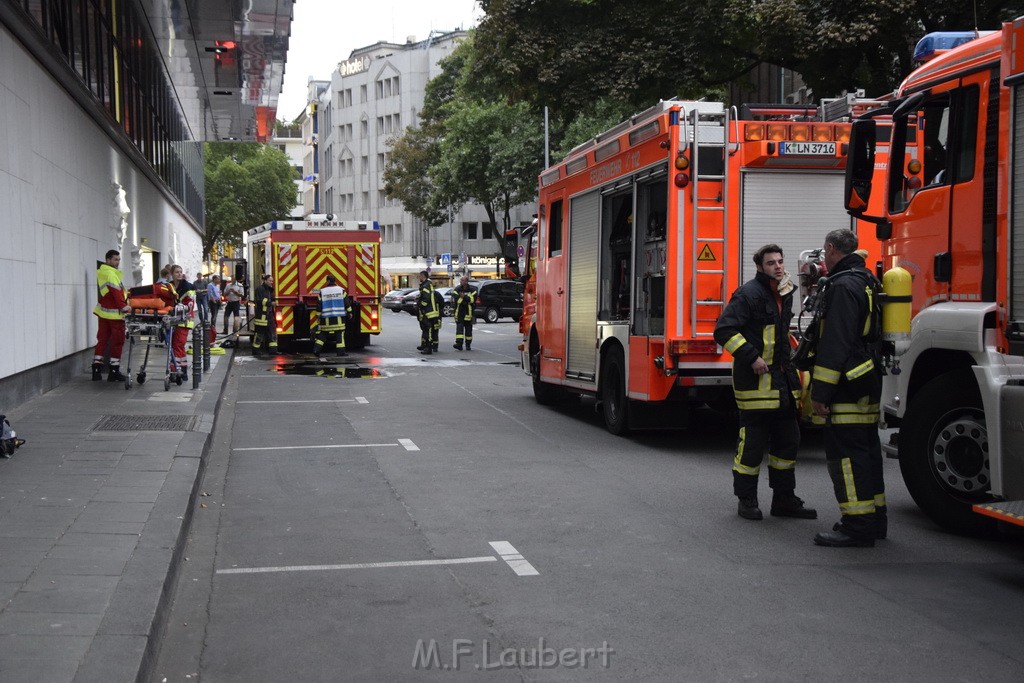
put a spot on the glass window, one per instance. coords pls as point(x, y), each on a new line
point(469, 231)
point(555, 228)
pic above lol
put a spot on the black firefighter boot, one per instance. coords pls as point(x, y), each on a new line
point(789, 505)
point(97, 372)
point(115, 374)
point(748, 509)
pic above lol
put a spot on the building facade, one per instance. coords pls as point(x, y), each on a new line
point(105, 109)
point(373, 97)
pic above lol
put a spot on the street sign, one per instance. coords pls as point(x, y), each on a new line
point(449, 269)
point(446, 260)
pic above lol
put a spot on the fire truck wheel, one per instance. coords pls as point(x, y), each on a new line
point(614, 403)
point(491, 314)
point(944, 454)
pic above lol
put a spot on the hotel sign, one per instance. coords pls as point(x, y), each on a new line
point(354, 66)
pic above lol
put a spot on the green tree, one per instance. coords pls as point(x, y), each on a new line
point(246, 185)
point(490, 154)
point(568, 53)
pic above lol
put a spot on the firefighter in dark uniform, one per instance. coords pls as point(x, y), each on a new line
point(754, 328)
point(265, 333)
point(334, 309)
point(464, 296)
point(428, 314)
point(846, 387)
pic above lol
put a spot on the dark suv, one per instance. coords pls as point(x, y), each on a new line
point(498, 299)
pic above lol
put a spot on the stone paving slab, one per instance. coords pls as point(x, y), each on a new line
point(91, 523)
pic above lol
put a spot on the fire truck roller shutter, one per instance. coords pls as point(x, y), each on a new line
point(584, 247)
point(792, 209)
point(1016, 313)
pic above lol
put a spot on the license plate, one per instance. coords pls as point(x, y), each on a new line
point(817, 149)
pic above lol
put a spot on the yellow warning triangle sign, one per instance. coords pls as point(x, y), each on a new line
point(706, 254)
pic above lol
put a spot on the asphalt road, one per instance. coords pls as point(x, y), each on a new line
point(399, 517)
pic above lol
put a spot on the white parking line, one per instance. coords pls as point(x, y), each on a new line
point(333, 445)
point(408, 445)
point(515, 560)
point(361, 399)
point(323, 400)
point(362, 565)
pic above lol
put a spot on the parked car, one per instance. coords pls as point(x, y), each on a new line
point(498, 299)
point(410, 302)
point(393, 299)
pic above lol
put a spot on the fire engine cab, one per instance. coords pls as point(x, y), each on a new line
point(952, 228)
point(643, 234)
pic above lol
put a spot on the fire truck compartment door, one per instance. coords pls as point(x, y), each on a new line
point(793, 209)
point(1011, 410)
point(584, 237)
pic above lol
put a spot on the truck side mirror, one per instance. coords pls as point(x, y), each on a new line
point(860, 167)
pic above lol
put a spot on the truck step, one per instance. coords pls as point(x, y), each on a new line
point(1011, 511)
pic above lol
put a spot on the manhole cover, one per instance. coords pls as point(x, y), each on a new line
point(146, 423)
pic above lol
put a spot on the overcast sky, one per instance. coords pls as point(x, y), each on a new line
point(324, 32)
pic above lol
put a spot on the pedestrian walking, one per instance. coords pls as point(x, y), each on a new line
point(265, 334)
point(234, 294)
point(464, 296)
point(213, 297)
point(185, 308)
point(846, 387)
point(754, 328)
point(334, 309)
point(110, 309)
point(428, 314)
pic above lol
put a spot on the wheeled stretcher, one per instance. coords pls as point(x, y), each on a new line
point(152, 320)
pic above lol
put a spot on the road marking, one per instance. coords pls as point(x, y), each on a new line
point(338, 445)
point(515, 560)
point(487, 331)
point(324, 400)
point(408, 445)
point(361, 565)
point(361, 399)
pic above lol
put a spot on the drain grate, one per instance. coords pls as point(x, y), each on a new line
point(146, 423)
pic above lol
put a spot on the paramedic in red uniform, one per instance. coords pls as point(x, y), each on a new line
point(110, 310)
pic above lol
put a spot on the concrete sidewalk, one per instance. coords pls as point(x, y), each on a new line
point(92, 522)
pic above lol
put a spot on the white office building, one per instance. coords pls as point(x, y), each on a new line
point(373, 96)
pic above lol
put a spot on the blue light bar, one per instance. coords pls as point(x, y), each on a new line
point(941, 40)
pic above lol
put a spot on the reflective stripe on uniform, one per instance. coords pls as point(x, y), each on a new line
point(735, 342)
point(861, 370)
point(853, 506)
point(768, 337)
point(880, 500)
point(780, 464)
point(857, 507)
point(738, 466)
point(827, 375)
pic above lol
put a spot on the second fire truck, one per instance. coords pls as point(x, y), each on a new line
point(644, 232)
point(300, 255)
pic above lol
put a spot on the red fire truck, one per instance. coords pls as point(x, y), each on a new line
point(300, 255)
point(952, 224)
point(643, 234)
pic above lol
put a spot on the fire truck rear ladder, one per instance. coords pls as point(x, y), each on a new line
point(713, 232)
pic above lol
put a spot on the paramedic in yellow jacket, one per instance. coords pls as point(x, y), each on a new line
point(334, 311)
point(110, 310)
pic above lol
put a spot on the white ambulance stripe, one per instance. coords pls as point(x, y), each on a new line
point(361, 565)
point(408, 445)
point(508, 553)
point(303, 448)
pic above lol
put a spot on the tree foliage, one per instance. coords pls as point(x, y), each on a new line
point(567, 54)
point(246, 185)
